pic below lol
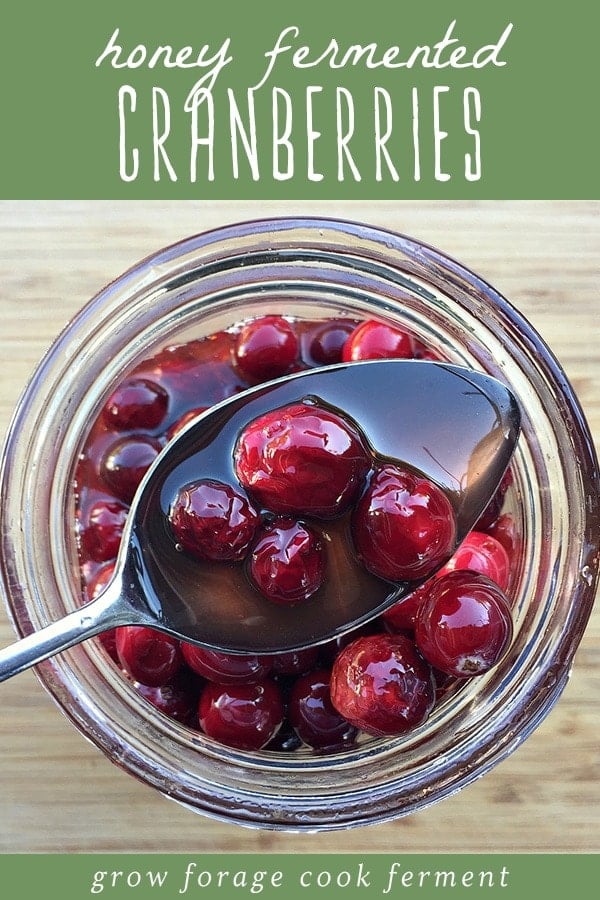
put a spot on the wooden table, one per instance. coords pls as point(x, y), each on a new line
point(57, 792)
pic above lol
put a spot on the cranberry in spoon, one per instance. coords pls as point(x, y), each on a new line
point(450, 426)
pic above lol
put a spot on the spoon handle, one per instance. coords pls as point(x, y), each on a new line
point(100, 615)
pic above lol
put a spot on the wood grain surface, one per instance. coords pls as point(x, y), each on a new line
point(57, 792)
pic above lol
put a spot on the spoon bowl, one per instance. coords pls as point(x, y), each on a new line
point(456, 426)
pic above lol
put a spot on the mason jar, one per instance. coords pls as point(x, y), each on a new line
point(306, 269)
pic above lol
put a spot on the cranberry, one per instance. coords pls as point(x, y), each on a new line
point(225, 668)
point(327, 342)
point(464, 626)
point(148, 655)
point(402, 615)
point(504, 530)
point(99, 581)
point(403, 526)
point(176, 698)
point(136, 403)
point(294, 662)
point(126, 462)
point(376, 340)
point(313, 715)
point(184, 420)
point(302, 459)
point(287, 563)
point(266, 348)
point(381, 684)
point(102, 529)
point(481, 553)
point(329, 651)
point(213, 521)
point(493, 510)
point(244, 716)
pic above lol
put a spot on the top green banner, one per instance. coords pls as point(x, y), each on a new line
point(441, 99)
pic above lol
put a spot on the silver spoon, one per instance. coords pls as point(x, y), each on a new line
point(456, 426)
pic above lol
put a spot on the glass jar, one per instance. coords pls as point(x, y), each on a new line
point(307, 268)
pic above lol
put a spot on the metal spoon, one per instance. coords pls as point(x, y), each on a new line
point(456, 426)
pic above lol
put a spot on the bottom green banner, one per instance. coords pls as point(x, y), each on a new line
point(224, 876)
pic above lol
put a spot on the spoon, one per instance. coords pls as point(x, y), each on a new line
point(456, 426)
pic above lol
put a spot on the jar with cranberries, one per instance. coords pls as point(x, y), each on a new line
point(381, 720)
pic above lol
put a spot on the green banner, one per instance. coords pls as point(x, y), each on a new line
point(347, 877)
point(387, 99)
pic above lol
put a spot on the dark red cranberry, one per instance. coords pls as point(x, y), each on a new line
point(99, 581)
point(244, 716)
point(464, 627)
point(481, 553)
point(102, 529)
point(136, 403)
point(126, 462)
point(402, 615)
point(382, 685)
point(403, 526)
point(176, 698)
point(376, 340)
point(148, 655)
point(492, 512)
point(184, 420)
point(327, 341)
point(313, 715)
point(302, 460)
point(504, 530)
point(226, 668)
point(213, 521)
point(329, 651)
point(266, 348)
point(294, 662)
point(287, 562)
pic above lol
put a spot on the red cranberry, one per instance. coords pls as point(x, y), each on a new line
point(327, 342)
point(403, 526)
point(148, 655)
point(402, 615)
point(99, 581)
point(382, 685)
point(244, 716)
point(136, 403)
point(376, 340)
point(329, 651)
point(184, 420)
point(313, 715)
point(226, 668)
point(504, 530)
point(481, 553)
point(493, 510)
point(176, 698)
point(287, 563)
point(302, 460)
point(102, 529)
point(126, 462)
point(213, 521)
point(294, 662)
point(465, 626)
point(266, 348)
